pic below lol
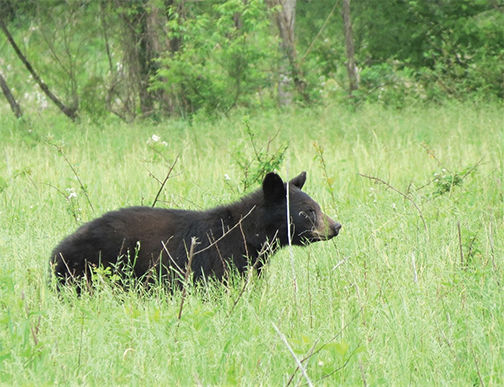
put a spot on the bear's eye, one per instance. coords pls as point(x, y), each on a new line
point(310, 215)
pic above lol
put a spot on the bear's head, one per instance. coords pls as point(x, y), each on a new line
point(307, 221)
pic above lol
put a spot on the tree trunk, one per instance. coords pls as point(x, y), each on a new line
point(142, 46)
point(353, 76)
point(70, 112)
point(16, 109)
point(289, 68)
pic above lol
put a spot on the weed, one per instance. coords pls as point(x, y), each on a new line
point(255, 166)
point(445, 181)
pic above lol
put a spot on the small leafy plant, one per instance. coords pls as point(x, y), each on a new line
point(445, 181)
point(262, 161)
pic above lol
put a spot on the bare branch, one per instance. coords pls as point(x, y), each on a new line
point(70, 112)
point(319, 32)
point(400, 193)
point(226, 233)
point(211, 239)
point(16, 109)
point(165, 180)
point(169, 256)
point(187, 273)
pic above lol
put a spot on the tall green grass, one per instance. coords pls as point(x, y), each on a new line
point(388, 301)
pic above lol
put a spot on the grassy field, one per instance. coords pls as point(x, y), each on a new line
point(410, 292)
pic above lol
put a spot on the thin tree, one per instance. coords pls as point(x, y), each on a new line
point(143, 41)
point(70, 112)
point(285, 17)
point(353, 77)
point(16, 109)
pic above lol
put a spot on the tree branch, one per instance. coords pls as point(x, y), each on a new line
point(16, 109)
point(70, 112)
point(165, 180)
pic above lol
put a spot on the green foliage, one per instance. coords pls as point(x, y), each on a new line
point(389, 85)
point(454, 46)
point(159, 58)
point(407, 52)
point(255, 166)
point(445, 181)
point(225, 59)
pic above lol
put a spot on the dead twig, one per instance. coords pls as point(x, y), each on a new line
point(178, 268)
point(377, 179)
point(68, 268)
point(343, 366)
point(308, 50)
point(310, 352)
point(211, 239)
point(244, 241)
point(477, 368)
point(82, 187)
point(460, 245)
point(34, 329)
point(298, 362)
point(186, 277)
point(265, 250)
point(165, 180)
point(307, 357)
point(431, 153)
point(226, 233)
point(69, 111)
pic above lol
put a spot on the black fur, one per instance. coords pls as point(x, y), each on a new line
point(240, 234)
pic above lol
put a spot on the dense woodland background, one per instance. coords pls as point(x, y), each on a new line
point(158, 58)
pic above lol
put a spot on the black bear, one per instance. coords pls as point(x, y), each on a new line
point(154, 242)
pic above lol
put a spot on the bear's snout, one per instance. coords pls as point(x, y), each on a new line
point(326, 229)
point(335, 228)
point(331, 227)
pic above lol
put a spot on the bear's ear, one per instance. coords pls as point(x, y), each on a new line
point(299, 180)
point(273, 187)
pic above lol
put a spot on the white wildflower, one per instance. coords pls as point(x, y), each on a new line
point(71, 193)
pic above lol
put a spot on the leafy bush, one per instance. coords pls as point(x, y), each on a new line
point(225, 60)
point(390, 85)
